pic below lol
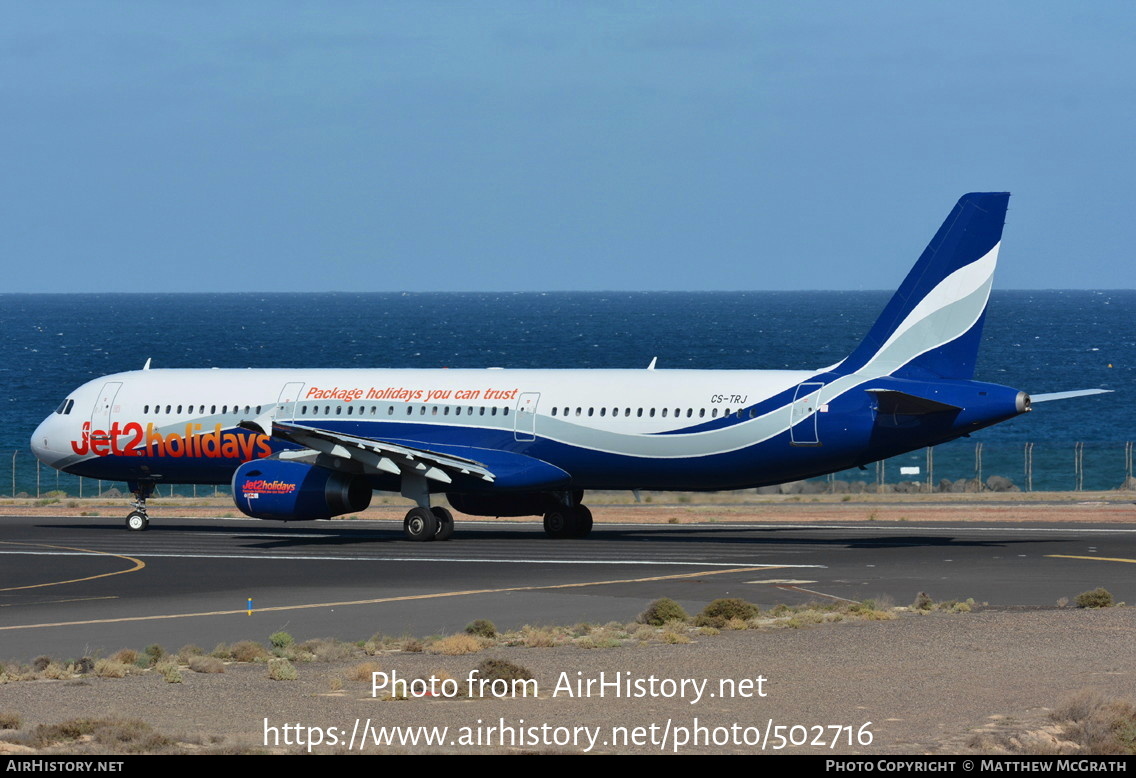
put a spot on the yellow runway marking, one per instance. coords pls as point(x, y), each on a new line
point(138, 565)
point(1097, 558)
point(403, 598)
point(55, 602)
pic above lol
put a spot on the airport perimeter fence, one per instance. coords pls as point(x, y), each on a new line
point(960, 466)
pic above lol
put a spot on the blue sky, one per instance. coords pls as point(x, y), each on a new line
point(557, 146)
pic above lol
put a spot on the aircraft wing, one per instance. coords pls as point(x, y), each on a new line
point(370, 455)
point(465, 467)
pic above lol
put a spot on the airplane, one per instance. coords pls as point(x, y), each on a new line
point(300, 444)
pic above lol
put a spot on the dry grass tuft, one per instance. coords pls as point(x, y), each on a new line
point(327, 650)
point(457, 645)
point(126, 656)
point(111, 668)
point(109, 735)
point(363, 671)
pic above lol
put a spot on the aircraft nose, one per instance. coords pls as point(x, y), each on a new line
point(42, 440)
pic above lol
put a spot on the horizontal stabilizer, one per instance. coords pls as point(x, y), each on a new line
point(893, 402)
point(1044, 398)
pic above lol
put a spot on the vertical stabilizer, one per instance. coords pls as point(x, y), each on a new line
point(932, 326)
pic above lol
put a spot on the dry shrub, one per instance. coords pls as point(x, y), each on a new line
point(281, 670)
point(643, 632)
point(495, 668)
point(248, 651)
point(328, 650)
point(541, 637)
point(170, 671)
point(56, 671)
point(126, 656)
point(186, 652)
point(363, 671)
point(456, 645)
point(1098, 724)
point(662, 611)
point(112, 735)
point(483, 628)
point(111, 668)
point(206, 664)
point(1097, 598)
point(923, 602)
point(719, 612)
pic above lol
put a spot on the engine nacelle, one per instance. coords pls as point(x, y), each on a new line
point(293, 491)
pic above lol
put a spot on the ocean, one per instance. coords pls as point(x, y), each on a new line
point(1037, 341)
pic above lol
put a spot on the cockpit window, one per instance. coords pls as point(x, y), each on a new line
point(65, 407)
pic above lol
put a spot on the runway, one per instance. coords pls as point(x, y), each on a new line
point(73, 586)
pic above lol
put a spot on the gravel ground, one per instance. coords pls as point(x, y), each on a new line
point(926, 684)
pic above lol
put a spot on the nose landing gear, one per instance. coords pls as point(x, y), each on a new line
point(138, 519)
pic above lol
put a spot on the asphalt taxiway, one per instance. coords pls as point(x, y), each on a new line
point(73, 586)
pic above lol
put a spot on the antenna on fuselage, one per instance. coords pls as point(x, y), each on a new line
point(653, 361)
point(147, 365)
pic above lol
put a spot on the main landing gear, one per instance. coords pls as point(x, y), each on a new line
point(138, 520)
point(573, 521)
point(425, 524)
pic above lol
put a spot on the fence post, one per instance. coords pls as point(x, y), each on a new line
point(978, 465)
point(1127, 463)
point(1029, 466)
point(879, 476)
point(1079, 465)
point(38, 463)
point(14, 453)
point(930, 469)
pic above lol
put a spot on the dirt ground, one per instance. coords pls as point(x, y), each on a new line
point(682, 508)
point(939, 683)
